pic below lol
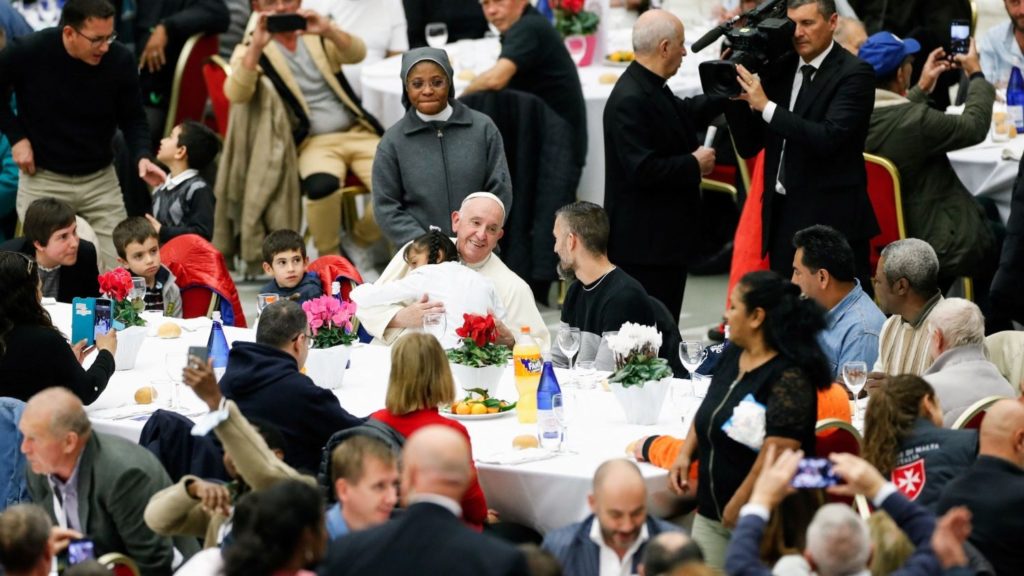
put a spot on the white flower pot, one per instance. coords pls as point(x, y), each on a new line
point(468, 377)
point(326, 366)
point(642, 403)
point(129, 342)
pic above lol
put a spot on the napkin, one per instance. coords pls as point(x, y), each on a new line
point(1014, 149)
point(513, 457)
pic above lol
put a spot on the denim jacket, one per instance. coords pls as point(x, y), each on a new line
point(852, 331)
point(14, 487)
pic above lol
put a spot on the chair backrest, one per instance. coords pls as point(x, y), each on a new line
point(188, 90)
point(1006, 350)
point(215, 73)
point(13, 484)
point(887, 201)
point(332, 267)
point(206, 276)
point(972, 417)
point(168, 435)
point(119, 564)
point(835, 435)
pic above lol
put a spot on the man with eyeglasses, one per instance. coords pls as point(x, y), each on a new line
point(74, 88)
point(264, 380)
point(332, 132)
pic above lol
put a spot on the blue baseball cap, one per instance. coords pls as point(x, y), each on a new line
point(885, 51)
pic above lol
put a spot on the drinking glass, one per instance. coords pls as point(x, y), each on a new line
point(586, 369)
point(437, 34)
point(701, 383)
point(855, 374)
point(435, 324)
point(263, 300)
point(174, 364)
point(564, 415)
point(692, 353)
point(577, 47)
point(569, 343)
point(138, 289)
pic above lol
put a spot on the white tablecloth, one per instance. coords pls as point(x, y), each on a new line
point(985, 173)
point(545, 494)
point(382, 96)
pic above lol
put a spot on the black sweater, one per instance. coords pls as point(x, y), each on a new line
point(38, 357)
point(69, 110)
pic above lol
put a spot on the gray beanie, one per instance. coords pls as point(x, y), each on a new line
point(435, 55)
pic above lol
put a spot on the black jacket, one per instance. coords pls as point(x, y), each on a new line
point(652, 179)
point(265, 383)
point(1007, 295)
point(78, 280)
point(826, 182)
point(38, 357)
point(993, 490)
point(425, 539)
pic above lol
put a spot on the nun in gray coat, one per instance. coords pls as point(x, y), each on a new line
point(440, 152)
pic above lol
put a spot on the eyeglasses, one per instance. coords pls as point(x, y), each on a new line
point(267, 4)
point(97, 42)
point(307, 334)
point(435, 83)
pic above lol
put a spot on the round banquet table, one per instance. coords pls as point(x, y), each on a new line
point(382, 94)
point(988, 169)
point(545, 494)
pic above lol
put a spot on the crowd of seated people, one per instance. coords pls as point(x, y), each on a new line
point(399, 490)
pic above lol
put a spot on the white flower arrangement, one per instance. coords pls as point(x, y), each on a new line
point(635, 349)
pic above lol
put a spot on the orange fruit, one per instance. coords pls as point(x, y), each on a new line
point(463, 409)
point(454, 408)
point(478, 409)
point(492, 410)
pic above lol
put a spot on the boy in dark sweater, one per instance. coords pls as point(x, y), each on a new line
point(184, 203)
point(138, 250)
point(284, 258)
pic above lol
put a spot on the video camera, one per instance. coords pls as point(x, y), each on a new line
point(766, 35)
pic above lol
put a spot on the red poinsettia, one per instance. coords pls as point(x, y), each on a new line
point(480, 328)
point(116, 284)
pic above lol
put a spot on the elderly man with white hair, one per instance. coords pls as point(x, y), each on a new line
point(478, 227)
point(838, 542)
point(960, 372)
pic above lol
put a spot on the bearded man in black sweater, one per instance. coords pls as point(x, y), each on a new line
point(74, 87)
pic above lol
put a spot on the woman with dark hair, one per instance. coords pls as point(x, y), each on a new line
point(440, 152)
point(775, 359)
point(283, 533)
point(33, 353)
point(905, 440)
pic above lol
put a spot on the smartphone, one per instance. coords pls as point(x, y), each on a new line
point(200, 352)
point(814, 473)
point(102, 317)
point(83, 327)
point(285, 22)
point(959, 37)
point(77, 551)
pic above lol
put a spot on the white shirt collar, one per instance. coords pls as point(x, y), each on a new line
point(817, 59)
point(173, 181)
point(608, 559)
point(442, 501)
point(441, 116)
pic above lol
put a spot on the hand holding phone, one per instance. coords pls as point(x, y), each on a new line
point(814, 473)
point(959, 37)
point(277, 23)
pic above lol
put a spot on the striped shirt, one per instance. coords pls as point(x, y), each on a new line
point(903, 346)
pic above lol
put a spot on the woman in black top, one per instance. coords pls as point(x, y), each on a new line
point(776, 359)
point(905, 440)
point(33, 353)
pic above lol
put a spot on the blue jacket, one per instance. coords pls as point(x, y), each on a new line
point(13, 484)
point(580, 556)
point(743, 558)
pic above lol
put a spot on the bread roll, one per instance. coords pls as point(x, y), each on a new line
point(524, 441)
point(168, 330)
point(145, 395)
point(608, 78)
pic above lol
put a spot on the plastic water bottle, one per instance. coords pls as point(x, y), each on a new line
point(1015, 99)
point(527, 368)
point(218, 347)
point(549, 430)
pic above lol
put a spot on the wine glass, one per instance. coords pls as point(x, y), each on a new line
point(569, 342)
point(435, 324)
point(174, 364)
point(437, 34)
point(855, 374)
point(577, 47)
point(692, 353)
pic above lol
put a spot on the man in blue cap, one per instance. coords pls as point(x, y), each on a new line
point(937, 207)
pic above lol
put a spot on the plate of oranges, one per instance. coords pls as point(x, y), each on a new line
point(477, 405)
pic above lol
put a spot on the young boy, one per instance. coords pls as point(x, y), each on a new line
point(284, 258)
point(138, 250)
point(184, 203)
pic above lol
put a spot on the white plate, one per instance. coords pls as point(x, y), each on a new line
point(615, 64)
point(477, 416)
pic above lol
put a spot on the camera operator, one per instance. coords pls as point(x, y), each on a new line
point(811, 118)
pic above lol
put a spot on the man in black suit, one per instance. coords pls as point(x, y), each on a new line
point(429, 537)
point(993, 489)
point(811, 118)
point(654, 162)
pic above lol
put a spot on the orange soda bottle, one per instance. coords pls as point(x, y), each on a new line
point(528, 365)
